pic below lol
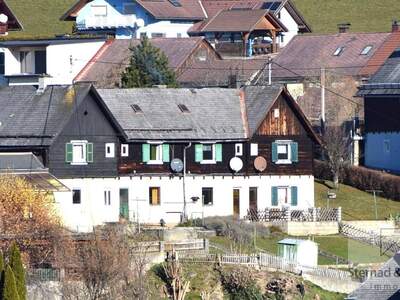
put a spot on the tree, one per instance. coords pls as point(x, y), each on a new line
point(10, 291)
point(336, 148)
point(17, 267)
point(1, 274)
point(148, 67)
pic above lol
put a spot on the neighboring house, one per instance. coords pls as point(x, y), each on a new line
point(8, 21)
point(195, 62)
point(43, 62)
point(133, 19)
point(151, 154)
point(382, 109)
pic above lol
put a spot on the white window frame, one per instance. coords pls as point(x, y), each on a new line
point(125, 4)
point(209, 161)
point(159, 152)
point(253, 149)
point(289, 159)
point(124, 150)
point(238, 149)
point(276, 113)
point(82, 161)
point(288, 196)
point(110, 146)
point(107, 197)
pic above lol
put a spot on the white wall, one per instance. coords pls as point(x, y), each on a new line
point(170, 29)
point(11, 61)
point(92, 210)
point(375, 154)
point(290, 24)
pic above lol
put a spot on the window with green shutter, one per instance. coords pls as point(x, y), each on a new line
point(165, 152)
point(218, 152)
point(145, 152)
point(68, 152)
point(293, 193)
point(274, 196)
point(274, 152)
point(198, 148)
point(89, 152)
point(294, 148)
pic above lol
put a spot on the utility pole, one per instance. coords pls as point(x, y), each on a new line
point(374, 192)
point(269, 70)
point(323, 77)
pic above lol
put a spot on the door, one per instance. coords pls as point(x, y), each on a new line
point(236, 203)
point(124, 203)
point(253, 199)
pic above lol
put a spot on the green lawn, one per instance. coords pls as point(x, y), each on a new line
point(356, 204)
point(364, 15)
point(40, 18)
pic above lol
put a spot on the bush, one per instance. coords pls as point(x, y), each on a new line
point(240, 284)
point(363, 179)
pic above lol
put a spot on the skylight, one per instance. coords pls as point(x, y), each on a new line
point(183, 108)
point(366, 50)
point(136, 108)
point(175, 3)
point(338, 51)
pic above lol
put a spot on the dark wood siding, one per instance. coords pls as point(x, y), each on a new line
point(90, 123)
point(382, 114)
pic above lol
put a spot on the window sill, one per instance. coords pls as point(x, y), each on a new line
point(154, 162)
point(208, 162)
point(208, 205)
point(79, 163)
point(283, 162)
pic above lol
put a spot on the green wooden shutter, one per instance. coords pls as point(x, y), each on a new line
point(165, 152)
point(293, 193)
point(198, 152)
point(145, 152)
point(274, 196)
point(218, 152)
point(294, 148)
point(89, 152)
point(68, 153)
point(274, 152)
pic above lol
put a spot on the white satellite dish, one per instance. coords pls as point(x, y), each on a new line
point(140, 22)
point(3, 18)
point(236, 164)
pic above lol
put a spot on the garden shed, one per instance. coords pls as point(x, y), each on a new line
point(303, 252)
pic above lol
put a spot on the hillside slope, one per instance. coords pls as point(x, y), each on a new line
point(364, 15)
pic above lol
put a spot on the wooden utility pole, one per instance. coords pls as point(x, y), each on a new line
point(374, 192)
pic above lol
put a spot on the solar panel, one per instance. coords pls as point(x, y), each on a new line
point(175, 3)
point(271, 5)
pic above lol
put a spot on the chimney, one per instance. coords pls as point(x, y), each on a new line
point(395, 26)
point(344, 27)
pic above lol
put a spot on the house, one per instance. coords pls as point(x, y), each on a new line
point(48, 61)
point(381, 97)
point(151, 154)
point(302, 252)
point(194, 60)
point(8, 20)
point(133, 19)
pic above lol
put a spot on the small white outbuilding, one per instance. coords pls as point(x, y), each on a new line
point(303, 252)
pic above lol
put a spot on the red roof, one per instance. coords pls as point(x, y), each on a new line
point(164, 9)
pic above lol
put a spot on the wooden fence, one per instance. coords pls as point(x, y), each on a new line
point(313, 214)
point(386, 244)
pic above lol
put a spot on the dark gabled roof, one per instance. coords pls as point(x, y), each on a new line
point(28, 118)
point(110, 62)
point(13, 22)
point(214, 114)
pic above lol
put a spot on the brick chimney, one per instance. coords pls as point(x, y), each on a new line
point(344, 27)
point(395, 26)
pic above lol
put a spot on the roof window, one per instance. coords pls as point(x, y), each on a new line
point(366, 50)
point(175, 3)
point(183, 108)
point(136, 108)
point(338, 51)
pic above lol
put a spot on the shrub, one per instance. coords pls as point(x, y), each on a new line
point(363, 179)
point(10, 291)
point(18, 270)
point(240, 284)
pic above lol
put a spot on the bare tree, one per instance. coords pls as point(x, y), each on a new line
point(336, 148)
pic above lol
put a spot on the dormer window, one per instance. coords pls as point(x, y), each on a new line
point(338, 51)
point(366, 50)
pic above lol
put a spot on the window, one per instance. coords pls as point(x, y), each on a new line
point(107, 197)
point(386, 146)
point(238, 149)
point(128, 8)
point(76, 196)
point(124, 150)
point(79, 152)
point(284, 152)
point(110, 150)
point(136, 108)
point(2, 64)
point(183, 108)
point(253, 149)
point(157, 35)
point(40, 62)
point(99, 10)
point(284, 195)
point(208, 153)
point(207, 196)
point(276, 113)
point(154, 196)
point(155, 153)
point(25, 59)
point(338, 51)
point(366, 50)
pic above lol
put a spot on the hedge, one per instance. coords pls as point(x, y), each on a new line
point(363, 179)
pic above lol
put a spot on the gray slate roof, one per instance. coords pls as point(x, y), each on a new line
point(31, 119)
point(17, 162)
point(214, 113)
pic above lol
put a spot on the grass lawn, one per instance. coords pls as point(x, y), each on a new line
point(364, 15)
point(356, 204)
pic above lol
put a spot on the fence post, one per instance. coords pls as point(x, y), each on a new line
point(288, 214)
point(339, 214)
point(206, 245)
point(314, 214)
point(267, 215)
point(162, 246)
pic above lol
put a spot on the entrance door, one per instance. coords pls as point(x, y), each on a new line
point(236, 203)
point(253, 198)
point(124, 203)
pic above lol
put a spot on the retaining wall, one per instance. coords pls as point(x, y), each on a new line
point(306, 228)
point(333, 285)
point(382, 227)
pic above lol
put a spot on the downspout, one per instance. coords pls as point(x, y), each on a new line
point(183, 182)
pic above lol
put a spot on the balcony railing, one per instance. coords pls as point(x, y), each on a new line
point(107, 22)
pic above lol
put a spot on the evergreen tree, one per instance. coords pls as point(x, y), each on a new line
point(18, 270)
point(10, 291)
point(148, 67)
point(1, 274)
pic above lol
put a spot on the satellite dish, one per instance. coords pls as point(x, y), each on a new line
point(176, 165)
point(236, 164)
point(140, 22)
point(3, 18)
point(260, 163)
